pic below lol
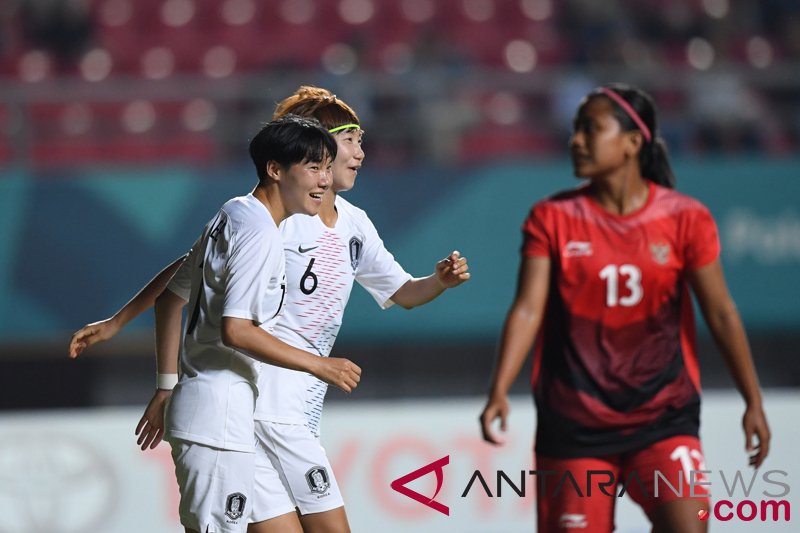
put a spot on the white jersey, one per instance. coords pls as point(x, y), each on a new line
point(236, 269)
point(321, 264)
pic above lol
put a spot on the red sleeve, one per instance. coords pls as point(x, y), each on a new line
point(536, 239)
point(702, 239)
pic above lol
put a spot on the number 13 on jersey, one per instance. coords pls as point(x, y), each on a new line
point(631, 276)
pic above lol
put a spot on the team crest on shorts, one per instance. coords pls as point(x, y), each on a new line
point(234, 505)
point(318, 480)
point(355, 247)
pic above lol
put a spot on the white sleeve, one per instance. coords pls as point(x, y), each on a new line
point(377, 270)
point(181, 281)
point(252, 288)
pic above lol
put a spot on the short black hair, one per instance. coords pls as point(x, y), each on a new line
point(291, 139)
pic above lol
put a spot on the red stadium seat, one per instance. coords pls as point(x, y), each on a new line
point(493, 142)
point(116, 133)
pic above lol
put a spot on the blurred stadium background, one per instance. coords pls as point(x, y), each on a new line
point(123, 126)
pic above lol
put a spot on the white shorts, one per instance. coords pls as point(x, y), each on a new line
point(215, 487)
point(292, 470)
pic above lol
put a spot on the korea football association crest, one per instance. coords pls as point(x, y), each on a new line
point(318, 480)
point(234, 505)
point(356, 246)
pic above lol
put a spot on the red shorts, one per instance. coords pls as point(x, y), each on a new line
point(581, 493)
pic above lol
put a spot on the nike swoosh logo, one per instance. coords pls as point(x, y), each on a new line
point(304, 250)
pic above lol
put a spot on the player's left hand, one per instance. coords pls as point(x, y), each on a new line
point(755, 425)
point(151, 426)
point(452, 271)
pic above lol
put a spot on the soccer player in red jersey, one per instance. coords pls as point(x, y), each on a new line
point(603, 292)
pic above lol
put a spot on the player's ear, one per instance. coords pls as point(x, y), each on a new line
point(274, 170)
point(633, 143)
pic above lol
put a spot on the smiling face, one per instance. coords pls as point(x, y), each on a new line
point(302, 185)
point(349, 158)
point(598, 145)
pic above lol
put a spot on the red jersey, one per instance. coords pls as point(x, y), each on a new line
point(615, 366)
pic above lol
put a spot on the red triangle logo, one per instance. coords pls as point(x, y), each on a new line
point(399, 484)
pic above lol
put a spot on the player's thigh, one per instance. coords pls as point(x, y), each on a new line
point(576, 493)
point(680, 516)
point(667, 481)
point(333, 521)
point(271, 498)
point(285, 523)
point(303, 465)
point(215, 487)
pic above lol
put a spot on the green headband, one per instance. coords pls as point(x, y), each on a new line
point(346, 126)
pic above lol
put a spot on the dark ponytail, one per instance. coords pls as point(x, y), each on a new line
point(653, 156)
point(654, 163)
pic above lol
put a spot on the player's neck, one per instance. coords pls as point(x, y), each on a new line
point(621, 194)
point(327, 212)
point(271, 198)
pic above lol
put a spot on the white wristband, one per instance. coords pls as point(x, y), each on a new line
point(166, 381)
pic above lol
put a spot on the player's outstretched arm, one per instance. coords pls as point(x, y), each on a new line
point(103, 330)
point(725, 324)
point(247, 337)
point(168, 307)
point(522, 324)
point(450, 272)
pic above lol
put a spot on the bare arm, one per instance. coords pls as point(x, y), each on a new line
point(719, 311)
point(105, 329)
point(168, 307)
point(245, 336)
point(448, 273)
point(519, 332)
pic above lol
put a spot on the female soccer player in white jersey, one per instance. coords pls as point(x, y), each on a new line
point(323, 256)
point(234, 279)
